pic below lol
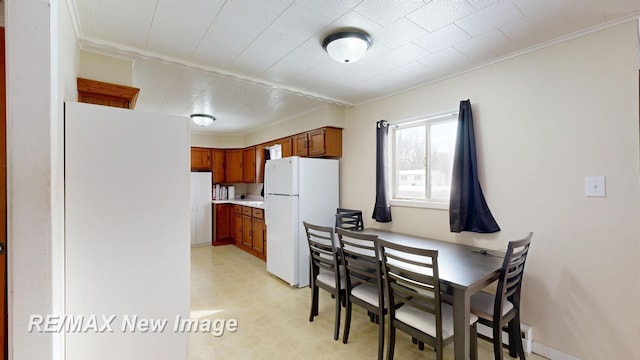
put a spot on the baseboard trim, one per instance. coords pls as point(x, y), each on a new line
point(526, 333)
point(550, 353)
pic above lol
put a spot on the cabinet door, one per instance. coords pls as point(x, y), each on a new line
point(258, 236)
point(287, 147)
point(247, 236)
point(260, 163)
point(300, 145)
point(249, 165)
point(233, 165)
point(325, 142)
point(200, 159)
point(238, 224)
point(217, 168)
point(223, 223)
point(316, 142)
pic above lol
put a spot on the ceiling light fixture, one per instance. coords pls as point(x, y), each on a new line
point(347, 46)
point(203, 119)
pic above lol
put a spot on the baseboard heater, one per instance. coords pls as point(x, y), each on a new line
point(526, 333)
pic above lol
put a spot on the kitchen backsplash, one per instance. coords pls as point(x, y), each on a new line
point(249, 190)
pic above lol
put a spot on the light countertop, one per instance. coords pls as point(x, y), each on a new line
point(245, 202)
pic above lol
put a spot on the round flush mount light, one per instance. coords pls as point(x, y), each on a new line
point(202, 119)
point(347, 46)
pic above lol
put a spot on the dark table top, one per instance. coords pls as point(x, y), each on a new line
point(460, 266)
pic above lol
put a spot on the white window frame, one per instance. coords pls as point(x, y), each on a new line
point(429, 119)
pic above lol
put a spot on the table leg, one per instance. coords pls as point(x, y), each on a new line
point(461, 314)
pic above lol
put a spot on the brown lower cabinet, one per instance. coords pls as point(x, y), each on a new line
point(223, 224)
point(250, 230)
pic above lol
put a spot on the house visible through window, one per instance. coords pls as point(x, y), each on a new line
point(422, 159)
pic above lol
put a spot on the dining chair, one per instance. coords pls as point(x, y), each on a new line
point(412, 285)
point(363, 275)
point(502, 310)
point(349, 219)
point(325, 269)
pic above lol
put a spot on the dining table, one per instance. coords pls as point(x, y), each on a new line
point(464, 270)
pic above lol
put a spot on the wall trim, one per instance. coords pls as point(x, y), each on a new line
point(550, 353)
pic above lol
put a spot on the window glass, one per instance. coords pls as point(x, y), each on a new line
point(422, 158)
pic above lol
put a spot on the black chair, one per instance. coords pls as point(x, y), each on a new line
point(502, 310)
point(325, 269)
point(363, 275)
point(349, 219)
point(413, 292)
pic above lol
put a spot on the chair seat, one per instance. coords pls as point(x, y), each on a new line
point(328, 278)
point(426, 322)
point(482, 304)
point(367, 293)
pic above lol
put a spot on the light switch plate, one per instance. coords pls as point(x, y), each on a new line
point(595, 186)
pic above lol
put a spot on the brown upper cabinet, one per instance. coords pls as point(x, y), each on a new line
point(326, 141)
point(260, 163)
point(233, 165)
point(249, 165)
point(287, 146)
point(200, 159)
point(217, 166)
point(103, 93)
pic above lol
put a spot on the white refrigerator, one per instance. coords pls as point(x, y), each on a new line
point(296, 190)
point(201, 208)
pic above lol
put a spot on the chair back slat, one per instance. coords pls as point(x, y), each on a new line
point(360, 257)
point(322, 250)
point(349, 219)
point(512, 274)
point(412, 279)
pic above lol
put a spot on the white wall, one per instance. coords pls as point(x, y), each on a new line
point(328, 115)
point(41, 60)
point(544, 121)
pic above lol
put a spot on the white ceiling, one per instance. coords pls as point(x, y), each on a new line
point(254, 62)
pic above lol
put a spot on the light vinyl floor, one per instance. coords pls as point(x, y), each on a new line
point(273, 318)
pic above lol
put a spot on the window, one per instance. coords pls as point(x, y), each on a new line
point(422, 159)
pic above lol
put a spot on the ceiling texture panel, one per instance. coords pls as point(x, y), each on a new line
point(251, 63)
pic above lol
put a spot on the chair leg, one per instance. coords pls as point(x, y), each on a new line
point(381, 335)
point(347, 322)
point(414, 340)
point(513, 339)
point(336, 331)
point(517, 330)
point(392, 340)
point(497, 341)
point(314, 302)
point(420, 345)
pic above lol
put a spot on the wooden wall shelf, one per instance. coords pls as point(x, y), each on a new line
point(103, 93)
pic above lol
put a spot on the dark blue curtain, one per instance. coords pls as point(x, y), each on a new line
point(468, 210)
point(382, 209)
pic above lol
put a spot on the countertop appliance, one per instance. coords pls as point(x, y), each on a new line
point(297, 189)
point(201, 208)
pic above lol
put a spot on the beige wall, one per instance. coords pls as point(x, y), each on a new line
point(213, 141)
point(544, 121)
point(106, 68)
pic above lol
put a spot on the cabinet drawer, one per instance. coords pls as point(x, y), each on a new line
point(238, 209)
point(246, 210)
point(258, 213)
